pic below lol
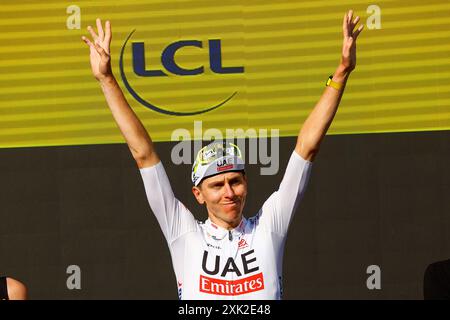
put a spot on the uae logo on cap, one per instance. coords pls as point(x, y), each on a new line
point(223, 165)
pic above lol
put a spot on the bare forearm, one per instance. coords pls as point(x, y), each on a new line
point(137, 138)
point(318, 122)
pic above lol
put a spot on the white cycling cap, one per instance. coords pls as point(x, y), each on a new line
point(217, 157)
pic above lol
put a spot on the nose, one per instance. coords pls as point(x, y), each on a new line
point(229, 192)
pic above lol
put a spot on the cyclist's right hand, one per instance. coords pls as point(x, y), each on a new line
point(100, 50)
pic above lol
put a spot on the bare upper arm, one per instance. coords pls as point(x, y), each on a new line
point(147, 161)
point(305, 152)
point(16, 289)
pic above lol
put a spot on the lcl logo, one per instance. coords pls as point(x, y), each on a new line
point(170, 66)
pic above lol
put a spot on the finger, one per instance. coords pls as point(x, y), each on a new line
point(345, 26)
point(350, 16)
point(355, 22)
point(101, 34)
point(101, 51)
point(108, 33)
point(349, 23)
point(358, 31)
point(87, 41)
point(108, 36)
point(92, 32)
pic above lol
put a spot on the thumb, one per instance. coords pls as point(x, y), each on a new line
point(101, 51)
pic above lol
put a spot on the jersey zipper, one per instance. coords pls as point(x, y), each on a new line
point(231, 251)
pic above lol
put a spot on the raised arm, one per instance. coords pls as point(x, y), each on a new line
point(137, 138)
point(318, 122)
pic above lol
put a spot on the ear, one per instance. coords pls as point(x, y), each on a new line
point(198, 195)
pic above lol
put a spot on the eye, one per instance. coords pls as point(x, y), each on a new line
point(217, 185)
point(235, 181)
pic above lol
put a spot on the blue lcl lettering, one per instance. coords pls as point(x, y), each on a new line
point(168, 59)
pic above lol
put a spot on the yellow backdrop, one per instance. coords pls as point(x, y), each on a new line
point(287, 49)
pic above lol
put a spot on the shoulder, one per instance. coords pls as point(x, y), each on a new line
point(16, 289)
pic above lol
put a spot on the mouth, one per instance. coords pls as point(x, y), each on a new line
point(231, 203)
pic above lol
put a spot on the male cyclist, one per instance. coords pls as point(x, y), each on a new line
point(228, 256)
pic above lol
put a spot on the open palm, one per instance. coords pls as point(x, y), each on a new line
point(100, 50)
point(348, 59)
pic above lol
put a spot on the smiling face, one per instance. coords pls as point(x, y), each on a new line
point(224, 195)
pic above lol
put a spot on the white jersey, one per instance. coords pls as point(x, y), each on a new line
point(213, 263)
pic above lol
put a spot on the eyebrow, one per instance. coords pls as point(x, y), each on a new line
point(219, 182)
point(235, 179)
point(215, 182)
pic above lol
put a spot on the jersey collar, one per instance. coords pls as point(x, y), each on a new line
point(218, 233)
